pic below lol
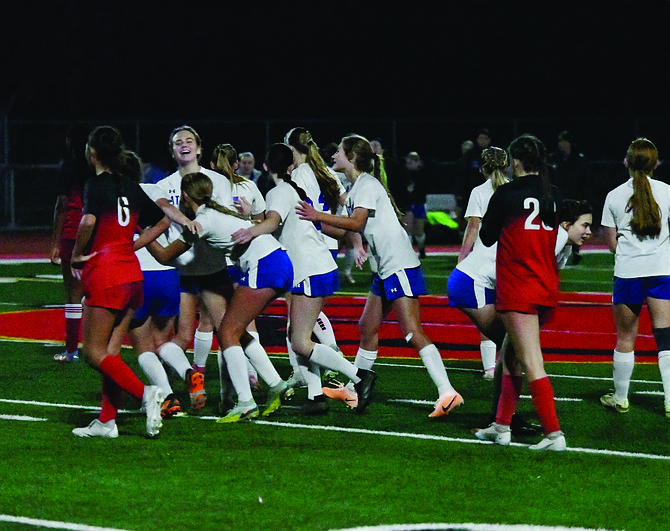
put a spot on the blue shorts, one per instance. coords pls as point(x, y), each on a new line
point(161, 294)
point(195, 284)
point(419, 211)
point(319, 285)
point(405, 283)
point(274, 271)
point(235, 273)
point(635, 290)
point(464, 293)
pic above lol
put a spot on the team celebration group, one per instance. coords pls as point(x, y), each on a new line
point(201, 253)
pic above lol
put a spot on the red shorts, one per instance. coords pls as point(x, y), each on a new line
point(119, 297)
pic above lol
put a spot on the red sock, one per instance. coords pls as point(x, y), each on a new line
point(509, 398)
point(72, 327)
point(111, 399)
point(543, 400)
point(117, 370)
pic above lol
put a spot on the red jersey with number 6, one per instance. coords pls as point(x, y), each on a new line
point(526, 269)
point(119, 206)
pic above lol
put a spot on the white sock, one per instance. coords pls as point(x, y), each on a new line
point(349, 261)
point(326, 357)
point(256, 354)
point(664, 367)
point(202, 345)
point(237, 369)
point(433, 361)
point(365, 359)
point(174, 356)
point(487, 348)
point(420, 241)
point(155, 371)
point(250, 368)
point(323, 330)
point(311, 373)
point(622, 371)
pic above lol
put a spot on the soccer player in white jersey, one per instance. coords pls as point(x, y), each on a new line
point(635, 217)
point(186, 149)
point(476, 262)
point(398, 281)
point(315, 277)
point(267, 273)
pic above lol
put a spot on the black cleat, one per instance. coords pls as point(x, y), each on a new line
point(364, 388)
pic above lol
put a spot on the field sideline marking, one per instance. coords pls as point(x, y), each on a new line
point(450, 439)
point(52, 524)
point(574, 376)
point(465, 527)
point(358, 430)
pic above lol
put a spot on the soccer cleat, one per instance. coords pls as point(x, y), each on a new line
point(296, 381)
point(364, 388)
point(276, 395)
point(98, 429)
point(496, 433)
point(67, 356)
point(554, 442)
point(315, 406)
point(152, 401)
point(342, 392)
point(667, 410)
point(608, 400)
point(446, 404)
point(170, 407)
point(196, 389)
point(242, 411)
point(489, 374)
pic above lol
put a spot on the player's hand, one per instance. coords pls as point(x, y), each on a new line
point(306, 211)
point(77, 264)
point(243, 206)
point(242, 236)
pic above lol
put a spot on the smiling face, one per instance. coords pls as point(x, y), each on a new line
point(341, 161)
point(580, 230)
point(185, 148)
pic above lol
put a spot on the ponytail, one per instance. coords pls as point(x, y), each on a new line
point(301, 140)
point(642, 159)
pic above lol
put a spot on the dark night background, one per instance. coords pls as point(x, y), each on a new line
point(440, 69)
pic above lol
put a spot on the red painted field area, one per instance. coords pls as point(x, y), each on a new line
point(582, 329)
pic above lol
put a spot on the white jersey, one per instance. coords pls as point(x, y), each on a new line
point(480, 264)
point(304, 177)
point(209, 262)
point(637, 257)
point(217, 237)
point(249, 190)
point(389, 242)
point(563, 249)
point(304, 243)
point(147, 261)
point(221, 188)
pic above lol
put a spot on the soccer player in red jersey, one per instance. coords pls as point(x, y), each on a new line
point(522, 217)
point(104, 259)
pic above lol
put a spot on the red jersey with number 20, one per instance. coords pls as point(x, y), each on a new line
point(119, 206)
point(526, 269)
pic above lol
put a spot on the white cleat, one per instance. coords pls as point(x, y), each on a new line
point(98, 429)
point(151, 403)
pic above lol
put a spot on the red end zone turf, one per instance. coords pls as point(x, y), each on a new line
point(582, 329)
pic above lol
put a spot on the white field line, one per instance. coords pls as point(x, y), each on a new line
point(465, 527)
point(361, 431)
point(21, 417)
point(52, 524)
